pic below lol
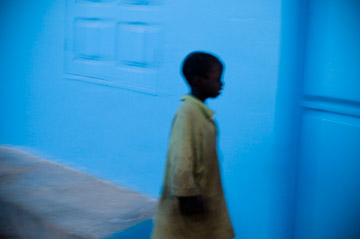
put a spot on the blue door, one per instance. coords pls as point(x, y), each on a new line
point(328, 192)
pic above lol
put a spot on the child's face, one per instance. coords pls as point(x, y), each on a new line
point(212, 84)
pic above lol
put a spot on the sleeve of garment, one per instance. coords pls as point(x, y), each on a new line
point(182, 156)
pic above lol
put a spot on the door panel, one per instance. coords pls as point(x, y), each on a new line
point(114, 43)
point(329, 186)
point(329, 162)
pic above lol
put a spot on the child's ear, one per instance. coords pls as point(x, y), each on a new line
point(198, 81)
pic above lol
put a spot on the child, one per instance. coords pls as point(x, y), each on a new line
point(192, 203)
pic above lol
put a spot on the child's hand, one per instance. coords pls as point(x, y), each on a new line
point(192, 205)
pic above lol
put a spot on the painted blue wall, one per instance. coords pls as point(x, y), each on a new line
point(287, 119)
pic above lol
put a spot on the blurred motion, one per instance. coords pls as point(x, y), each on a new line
point(92, 85)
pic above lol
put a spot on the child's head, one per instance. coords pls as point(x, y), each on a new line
point(202, 72)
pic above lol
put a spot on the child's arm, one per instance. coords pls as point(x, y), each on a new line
point(182, 155)
point(192, 205)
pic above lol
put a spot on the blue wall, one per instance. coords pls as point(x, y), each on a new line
point(288, 113)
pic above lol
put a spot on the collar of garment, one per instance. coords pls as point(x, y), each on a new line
point(208, 112)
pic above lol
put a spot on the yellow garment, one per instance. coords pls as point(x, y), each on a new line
point(192, 169)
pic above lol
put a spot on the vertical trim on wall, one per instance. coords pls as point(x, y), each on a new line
point(287, 122)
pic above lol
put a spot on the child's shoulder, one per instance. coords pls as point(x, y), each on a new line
point(187, 108)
